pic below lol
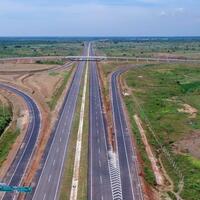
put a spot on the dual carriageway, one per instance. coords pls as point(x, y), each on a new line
point(112, 175)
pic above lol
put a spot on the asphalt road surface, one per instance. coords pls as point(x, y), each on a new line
point(50, 179)
point(99, 184)
point(24, 155)
point(131, 188)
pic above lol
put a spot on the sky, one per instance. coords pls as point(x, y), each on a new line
point(99, 18)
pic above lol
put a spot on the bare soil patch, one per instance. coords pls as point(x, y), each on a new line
point(189, 144)
point(189, 110)
point(43, 84)
point(23, 67)
point(157, 172)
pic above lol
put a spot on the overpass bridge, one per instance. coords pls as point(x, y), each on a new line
point(145, 59)
point(86, 58)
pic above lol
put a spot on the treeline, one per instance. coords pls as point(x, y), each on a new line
point(5, 118)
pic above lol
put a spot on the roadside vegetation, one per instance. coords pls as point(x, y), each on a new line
point(8, 137)
point(54, 99)
point(6, 142)
point(150, 47)
point(28, 47)
point(50, 62)
point(159, 93)
point(5, 118)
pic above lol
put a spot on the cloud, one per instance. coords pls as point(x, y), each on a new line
point(163, 13)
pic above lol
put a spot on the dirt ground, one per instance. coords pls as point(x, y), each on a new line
point(23, 67)
point(189, 144)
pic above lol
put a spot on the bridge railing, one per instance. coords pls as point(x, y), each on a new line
point(102, 58)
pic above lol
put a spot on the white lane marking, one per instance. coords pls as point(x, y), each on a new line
point(99, 163)
point(54, 162)
point(65, 150)
point(98, 140)
point(44, 196)
point(114, 168)
point(31, 117)
point(126, 154)
point(99, 150)
point(60, 139)
point(102, 122)
point(57, 150)
point(53, 144)
point(49, 179)
point(101, 179)
point(101, 197)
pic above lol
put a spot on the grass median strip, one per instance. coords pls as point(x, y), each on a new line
point(69, 163)
point(76, 178)
point(82, 190)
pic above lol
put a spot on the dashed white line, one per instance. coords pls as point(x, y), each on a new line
point(99, 163)
point(54, 162)
point(44, 196)
point(101, 180)
point(49, 179)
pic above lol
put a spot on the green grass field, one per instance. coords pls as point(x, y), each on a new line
point(160, 90)
point(142, 48)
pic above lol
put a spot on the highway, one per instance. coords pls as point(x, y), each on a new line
point(24, 155)
point(99, 185)
point(131, 187)
point(50, 177)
